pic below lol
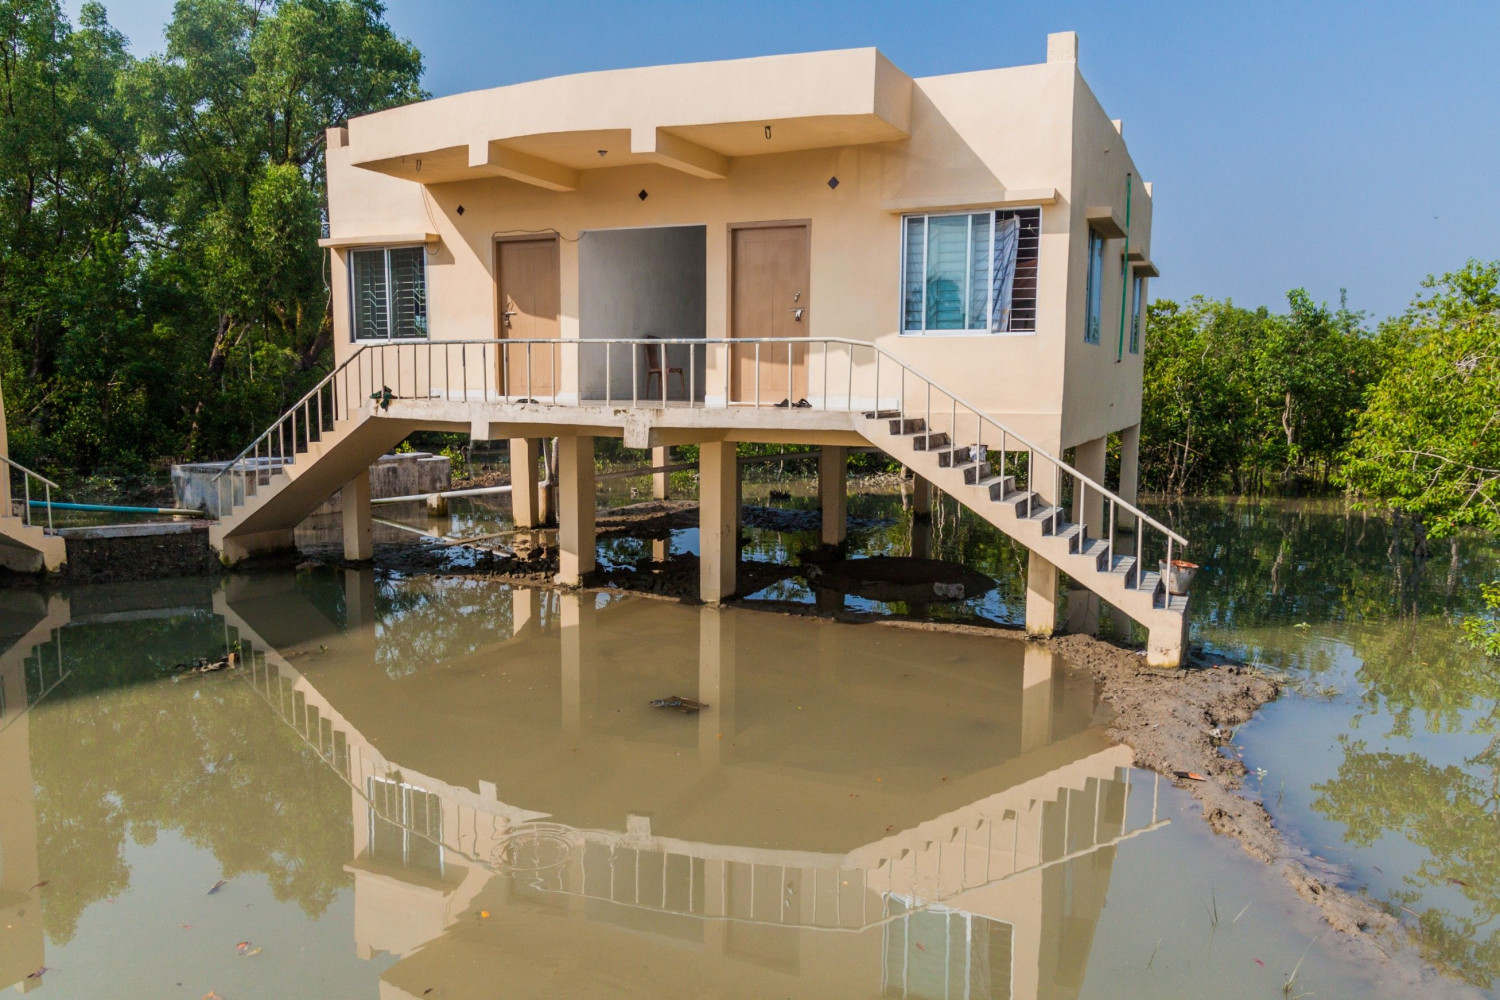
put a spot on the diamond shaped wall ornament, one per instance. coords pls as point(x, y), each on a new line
point(643, 195)
point(460, 210)
point(833, 182)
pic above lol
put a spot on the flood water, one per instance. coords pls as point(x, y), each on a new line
point(441, 787)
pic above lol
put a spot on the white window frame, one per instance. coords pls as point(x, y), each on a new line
point(385, 251)
point(927, 218)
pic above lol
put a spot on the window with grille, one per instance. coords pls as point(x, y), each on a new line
point(1094, 289)
point(970, 272)
point(389, 291)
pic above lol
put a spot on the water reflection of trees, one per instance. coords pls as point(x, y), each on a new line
point(426, 620)
point(117, 751)
point(1452, 812)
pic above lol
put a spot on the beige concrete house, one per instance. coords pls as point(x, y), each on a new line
point(811, 248)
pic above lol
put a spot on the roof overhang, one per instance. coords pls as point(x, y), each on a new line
point(696, 118)
point(1142, 265)
point(385, 240)
point(1102, 220)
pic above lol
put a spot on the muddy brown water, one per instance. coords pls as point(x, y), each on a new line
point(445, 787)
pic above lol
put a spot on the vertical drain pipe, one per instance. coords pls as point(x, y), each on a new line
point(1124, 273)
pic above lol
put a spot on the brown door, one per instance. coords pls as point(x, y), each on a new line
point(769, 298)
point(530, 299)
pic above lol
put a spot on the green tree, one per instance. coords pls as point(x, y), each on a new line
point(1428, 440)
point(237, 110)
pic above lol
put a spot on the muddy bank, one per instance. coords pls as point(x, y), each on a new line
point(1182, 722)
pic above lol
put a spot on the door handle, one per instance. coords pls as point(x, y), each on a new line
point(797, 315)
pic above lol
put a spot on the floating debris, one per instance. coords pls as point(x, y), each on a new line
point(203, 665)
point(1189, 775)
point(218, 885)
point(679, 703)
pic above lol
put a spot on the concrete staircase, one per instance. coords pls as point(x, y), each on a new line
point(270, 493)
point(1044, 528)
point(30, 548)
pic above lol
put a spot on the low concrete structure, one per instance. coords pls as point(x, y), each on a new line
point(398, 475)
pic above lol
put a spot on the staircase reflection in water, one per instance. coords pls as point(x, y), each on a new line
point(862, 810)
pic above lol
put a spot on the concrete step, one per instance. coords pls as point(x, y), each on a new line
point(1075, 535)
point(930, 442)
point(908, 425)
point(1045, 515)
point(998, 487)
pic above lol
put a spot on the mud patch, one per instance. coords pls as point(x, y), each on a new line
point(1183, 721)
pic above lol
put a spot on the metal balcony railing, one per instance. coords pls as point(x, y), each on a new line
point(818, 375)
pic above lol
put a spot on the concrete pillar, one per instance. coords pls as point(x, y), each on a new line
point(718, 520)
point(921, 538)
point(359, 530)
point(1088, 505)
point(524, 505)
point(921, 499)
point(576, 496)
point(1088, 509)
point(660, 457)
point(833, 493)
point(1130, 470)
point(1041, 596)
point(716, 666)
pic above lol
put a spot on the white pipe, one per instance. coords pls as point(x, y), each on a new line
point(474, 492)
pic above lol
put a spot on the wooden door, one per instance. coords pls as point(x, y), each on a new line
point(530, 299)
point(769, 298)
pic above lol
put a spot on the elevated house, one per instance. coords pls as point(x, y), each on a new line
point(811, 248)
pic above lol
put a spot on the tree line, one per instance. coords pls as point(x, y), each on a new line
point(1406, 412)
point(162, 292)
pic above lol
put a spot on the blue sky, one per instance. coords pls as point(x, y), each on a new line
point(1322, 145)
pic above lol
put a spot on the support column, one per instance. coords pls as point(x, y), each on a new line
point(833, 493)
point(576, 495)
point(921, 499)
point(524, 505)
point(718, 520)
point(1130, 471)
point(359, 530)
point(660, 457)
point(1041, 596)
point(1088, 509)
point(1088, 505)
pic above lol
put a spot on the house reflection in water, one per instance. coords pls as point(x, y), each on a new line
point(30, 664)
point(862, 811)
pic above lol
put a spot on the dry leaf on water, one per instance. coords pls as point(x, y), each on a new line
point(218, 885)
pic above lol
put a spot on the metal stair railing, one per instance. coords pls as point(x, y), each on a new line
point(47, 486)
point(820, 374)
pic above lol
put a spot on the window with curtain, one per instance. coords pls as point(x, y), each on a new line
point(970, 272)
point(388, 287)
point(1094, 288)
point(1137, 312)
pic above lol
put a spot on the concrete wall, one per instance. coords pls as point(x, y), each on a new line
point(1026, 135)
point(642, 283)
point(399, 475)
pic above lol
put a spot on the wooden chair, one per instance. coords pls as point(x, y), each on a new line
point(657, 368)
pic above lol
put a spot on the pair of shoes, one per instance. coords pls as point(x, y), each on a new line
point(783, 404)
point(802, 404)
